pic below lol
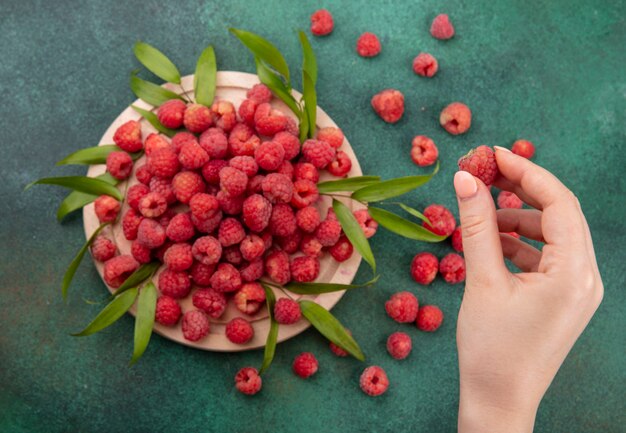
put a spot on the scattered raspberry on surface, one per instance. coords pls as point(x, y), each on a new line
point(305, 269)
point(311, 246)
point(317, 152)
point(305, 365)
point(257, 211)
point(367, 223)
point(154, 142)
point(226, 278)
point(374, 381)
point(321, 23)
point(306, 171)
point(402, 307)
point(201, 273)
point(152, 205)
point(331, 135)
point(308, 218)
point(118, 268)
point(119, 164)
point(509, 200)
point(171, 113)
point(135, 193)
point(180, 139)
point(341, 165)
point(328, 232)
point(243, 141)
point(269, 155)
point(523, 148)
point(239, 331)
point(452, 268)
point(305, 193)
point(252, 271)
point(456, 118)
point(106, 208)
point(192, 155)
point(342, 250)
point(287, 311)
point(399, 345)
point(230, 205)
point(290, 144)
point(424, 267)
point(277, 267)
point(248, 381)
point(250, 298)
point(259, 93)
point(163, 187)
point(277, 188)
point(197, 118)
point(140, 252)
point(269, 121)
point(368, 45)
point(245, 163)
point(103, 248)
point(214, 142)
point(130, 224)
point(128, 136)
point(211, 170)
point(163, 163)
point(178, 257)
point(168, 311)
point(233, 181)
point(207, 250)
point(196, 325)
point(443, 222)
point(425, 65)
point(480, 162)
point(174, 283)
point(230, 232)
point(282, 220)
point(291, 243)
point(442, 28)
point(225, 115)
point(143, 174)
point(424, 152)
point(429, 318)
point(457, 240)
point(389, 105)
point(338, 351)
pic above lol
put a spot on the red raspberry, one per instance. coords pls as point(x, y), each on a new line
point(230, 232)
point(374, 381)
point(285, 168)
point(443, 222)
point(331, 135)
point(342, 250)
point(457, 240)
point(187, 184)
point(282, 220)
point(269, 121)
point(163, 163)
point(252, 271)
point(456, 118)
point(305, 269)
point(181, 138)
point(425, 65)
point(230, 205)
point(259, 93)
point(424, 268)
point(211, 302)
point(509, 200)
point(317, 152)
point(249, 298)
point(197, 118)
point(305, 365)
point(204, 206)
point(211, 170)
point(292, 127)
point(330, 214)
point(167, 311)
point(367, 223)
point(244, 163)
point(252, 247)
point(287, 311)
point(341, 165)
point(248, 381)
point(118, 268)
point(399, 345)
point(306, 171)
point(321, 23)
point(174, 283)
point(269, 155)
point(154, 142)
point(159, 252)
point(452, 268)
point(368, 45)
point(140, 252)
point(328, 232)
point(523, 148)
point(225, 115)
point(255, 185)
point(135, 193)
point(389, 105)
point(196, 325)
point(232, 255)
point(277, 267)
point(304, 194)
point(167, 216)
point(152, 205)
point(338, 351)
point(402, 307)
point(178, 257)
point(243, 141)
point(239, 331)
point(289, 143)
point(119, 164)
point(171, 113)
point(192, 156)
point(480, 162)
point(103, 248)
point(277, 188)
point(106, 208)
point(246, 111)
point(429, 318)
point(226, 278)
point(214, 142)
point(180, 228)
point(207, 250)
point(308, 218)
point(311, 246)
point(233, 181)
point(163, 187)
point(424, 152)
point(130, 224)
point(256, 212)
point(442, 28)
point(128, 136)
point(143, 174)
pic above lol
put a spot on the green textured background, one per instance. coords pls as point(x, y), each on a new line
point(548, 71)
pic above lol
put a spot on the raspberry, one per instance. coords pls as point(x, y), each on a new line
point(289, 143)
point(187, 184)
point(308, 218)
point(226, 278)
point(143, 174)
point(167, 216)
point(277, 268)
point(211, 302)
point(154, 142)
point(321, 23)
point(269, 121)
point(106, 208)
point(317, 152)
point(119, 164)
point(230, 205)
point(196, 325)
point(180, 228)
point(159, 252)
point(204, 206)
point(442, 220)
point(252, 247)
point(338, 351)
point(192, 155)
point(402, 307)
point(163, 187)
point(255, 185)
point(103, 248)
point(245, 163)
point(239, 331)
point(167, 311)
point(207, 250)
point(306, 171)
point(305, 269)
point(442, 28)
point(233, 181)
point(331, 135)
point(130, 224)
point(287, 311)
point(389, 105)
point(135, 193)
point(285, 168)
point(399, 345)
point(342, 250)
point(243, 141)
point(180, 139)
point(311, 246)
point(368, 45)
point(118, 268)
point(367, 223)
point(211, 170)
point(456, 118)
point(128, 136)
point(374, 381)
point(277, 188)
point(171, 113)
point(341, 165)
point(282, 220)
point(252, 271)
point(214, 142)
point(509, 200)
point(480, 162)
point(452, 268)
point(457, 240)
point(424, 152)
point(206, 225)
point(256, 212)
point(246, 111)
point(232, 255)
point(225, 115)
point(259, 93)
point(304, 193)
point(424, 268)
point(230, 232)
point(328, 232)
point(174, 283)
point(140, 252)
point(425, 65)
point(178, 257)
point(152, 205)
point(523, 148)
point(197, 118)
point(429, 318)
point(268, 238)
point(269, 155)
point(163, 163)
point(248, 381)
point(291, 243)
point(305, 365)
point(201, 273)
point(249, 298)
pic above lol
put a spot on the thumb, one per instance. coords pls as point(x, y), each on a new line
point(479, 228)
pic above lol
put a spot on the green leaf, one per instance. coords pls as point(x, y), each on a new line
point(317, 288)
point(156, 62)
point(392, 188)
point(94, 155)
point(310, 102)
point(270, 343)
point(71, 269)
point(85, 184)
point(354, 232)
point(349, 184)
point(413, 212)
point(264, 50)
point(276, 85)
point(144, 321)
point(205, 79)
point(303, 127)
point(77, 200)
point(139, 276)
point(109, 314)
point(309, 63)
point(152, 93)
point(403, 227)
point(154, 121)
point(330, 328)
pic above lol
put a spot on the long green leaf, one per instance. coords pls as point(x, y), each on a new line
point(317, 288)
point(85, 184)
point(349, 184)
point(154, 121)
point(156, 62)
point(109, 314)
point(414, 212)
point(403, 227)
point(354, 232)
point(270, 343)
point(94, 155)
point(303, 128)
point(205, 79)
point(139, 276)
point(309, 63)
point(71, 269)
point(264, 50)
point(392, 188)
point(152, 93)
point(276, 85)
point(144, 321)
point(77, 200)
point(330, 328)
point(310, 102)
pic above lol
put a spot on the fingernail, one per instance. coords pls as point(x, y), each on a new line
point(465, 184)
point(504, 149)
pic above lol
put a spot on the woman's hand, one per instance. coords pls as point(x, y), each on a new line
point(515, 329)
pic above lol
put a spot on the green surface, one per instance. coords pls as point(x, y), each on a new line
point(551, 72)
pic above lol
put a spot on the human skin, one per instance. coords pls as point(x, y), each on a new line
point(515, 329)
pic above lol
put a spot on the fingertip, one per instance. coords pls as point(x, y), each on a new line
point(465, 185)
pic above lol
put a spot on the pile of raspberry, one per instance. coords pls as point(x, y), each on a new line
point(230, 200)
